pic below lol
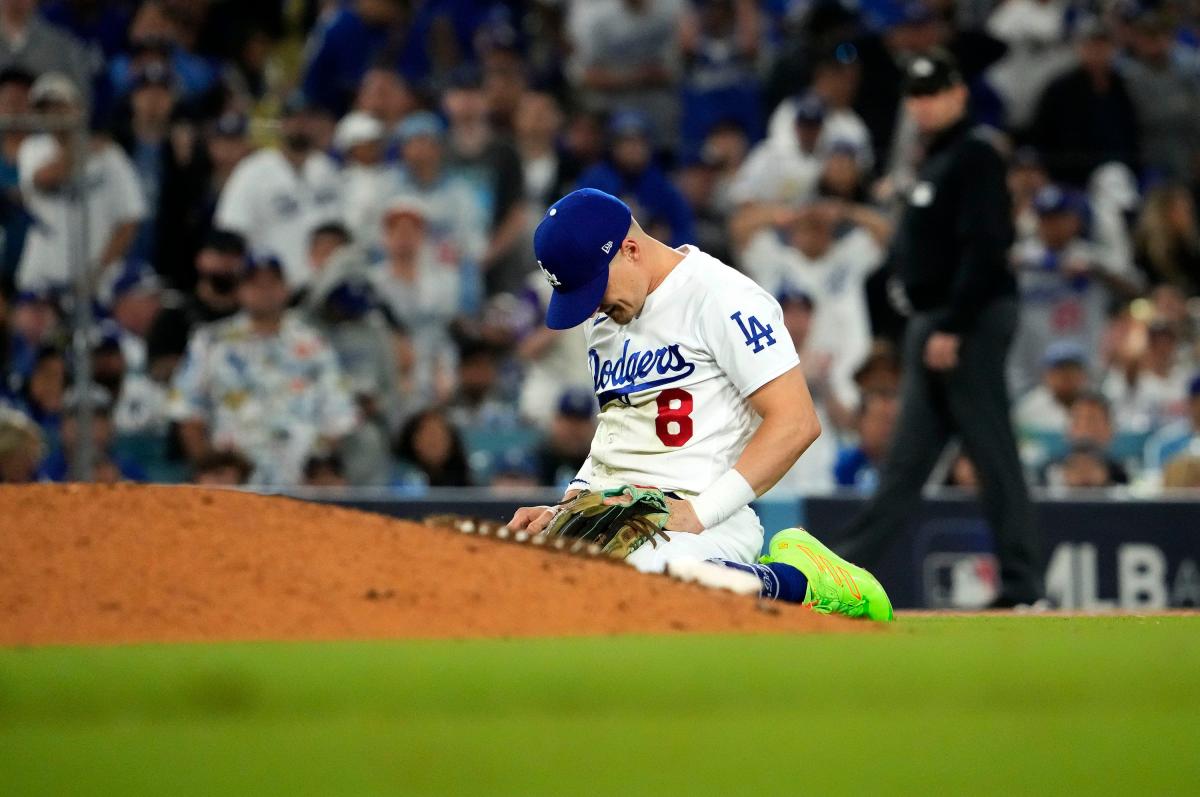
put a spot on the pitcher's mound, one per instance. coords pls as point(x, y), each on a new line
point(129, 563)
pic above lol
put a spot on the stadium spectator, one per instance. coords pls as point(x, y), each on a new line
point(1148, 381)
point(31, 43)
point(553, 361)
point(421, 290)
point(1085, 117)
point(367, 178)
point(478, 403)
point(832, 270)
point(491, 165)
point(155, 157)
point(1179, 438)
point(1035, 32)
point(34, 322)
point(222, 469)
point(626, 54)
point(548, 168)
point(104, 25)
point(14, 218)
point(783, 173)
point(1085, 466)
point(387, 96)
point(353, 38)
point(1166, 97)
point(813, 471)
point(115, 203)
point(262, 382)
point(21, 447)
point(1026, 178)
point(835, 82)
point(140, 400)
point(1044, 409)
point(1167, 240)
point(278, 195)
point(219, 266)
point(858, 467)
point(327, 242)
point(515, 472)
point(1089, 430)
point(842, 177)
point(158, 34)
point(431, 452)
point(107, 466)
point(569, 439)
point(631, 174)
point(341, 305)
point(505, 78)
point(324, 471)
point(1066, 285)
point(456, 221)
point(720, 42)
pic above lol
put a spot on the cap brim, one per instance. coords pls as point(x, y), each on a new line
point(571, 308)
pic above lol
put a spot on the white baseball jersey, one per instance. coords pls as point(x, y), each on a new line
point(276, 207)
point(673, 384)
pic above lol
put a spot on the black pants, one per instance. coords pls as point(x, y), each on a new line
point(970, 401)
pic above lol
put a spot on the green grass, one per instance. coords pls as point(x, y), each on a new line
point(998, 705)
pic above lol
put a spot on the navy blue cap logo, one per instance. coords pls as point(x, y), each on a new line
point(553, 280)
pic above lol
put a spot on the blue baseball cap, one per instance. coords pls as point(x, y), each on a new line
point(1194, 387)
point(1064, 352)
point(577, 402)
point(421, 123)
point(1051, 200)
point(574, 244)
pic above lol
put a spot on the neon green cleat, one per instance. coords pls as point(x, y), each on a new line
point(834, 585)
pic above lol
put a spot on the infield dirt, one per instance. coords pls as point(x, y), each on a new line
point(132, 563)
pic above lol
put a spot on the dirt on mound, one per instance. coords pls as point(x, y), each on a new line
point(130, 563)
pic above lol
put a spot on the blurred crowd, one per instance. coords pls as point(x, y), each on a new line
point(309, 224)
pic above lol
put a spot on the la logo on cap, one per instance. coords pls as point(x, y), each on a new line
point(607, 248)
point(553, 280)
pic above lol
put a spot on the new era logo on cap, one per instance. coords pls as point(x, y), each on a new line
point(573, 245)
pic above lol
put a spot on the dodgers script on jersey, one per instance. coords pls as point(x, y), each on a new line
point(673, 384)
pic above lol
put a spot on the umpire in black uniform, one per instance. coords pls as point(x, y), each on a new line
point(951, 253)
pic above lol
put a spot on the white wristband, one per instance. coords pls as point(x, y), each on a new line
point(723, 497)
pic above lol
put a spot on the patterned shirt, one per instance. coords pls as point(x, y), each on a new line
point(270, 397)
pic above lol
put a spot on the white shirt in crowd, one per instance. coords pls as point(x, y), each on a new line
point(775, 174)
point(836, 282)
point(426, 306)
point(1055, 305)
point(1150, 400)
point(113, 198)
point(560, 367)
point(1038, 412)
point(276, 207)
point(365, 193)
point(840, 125)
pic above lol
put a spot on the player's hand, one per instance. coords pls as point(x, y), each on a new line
point(531, 518)
point(683, 517)
point(941, 351)
point(534, 519)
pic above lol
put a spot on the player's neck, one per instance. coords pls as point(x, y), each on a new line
point(665, 259)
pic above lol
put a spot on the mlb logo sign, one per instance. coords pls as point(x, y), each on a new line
point(960, 580)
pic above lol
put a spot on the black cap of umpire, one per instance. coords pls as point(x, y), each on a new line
point(931, 73)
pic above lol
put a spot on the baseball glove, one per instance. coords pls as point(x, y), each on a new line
point(619, 520)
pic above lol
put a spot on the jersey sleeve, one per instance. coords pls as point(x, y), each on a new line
point(236, 205)
point(742, 325)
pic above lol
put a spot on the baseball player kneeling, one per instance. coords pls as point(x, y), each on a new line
point(701, 397)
